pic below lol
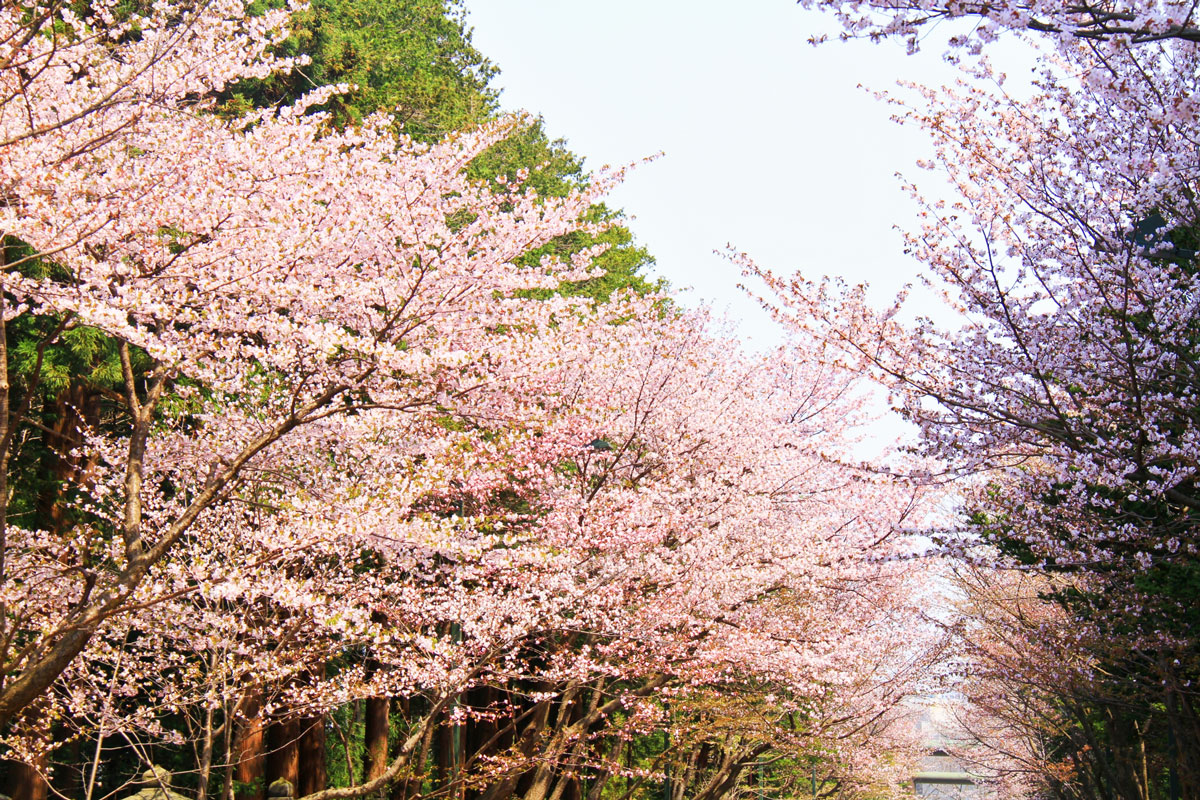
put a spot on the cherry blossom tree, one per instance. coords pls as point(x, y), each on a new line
point(658, 522)
point(1102, 22)
point(346, 451)
point(1033, 678)
point(258, 276)
point(1067, 390)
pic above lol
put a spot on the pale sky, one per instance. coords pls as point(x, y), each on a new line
point(769, 143)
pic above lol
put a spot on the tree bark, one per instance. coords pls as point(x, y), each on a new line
point(375, 737)
point(313, 777)
point(250, 753)
point(445, 766)
point(479, 729)
point(25, 782)
point(283, 750)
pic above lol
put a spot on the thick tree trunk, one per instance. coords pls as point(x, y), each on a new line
point(684, 782)
point(76, 410)
point(250, 753)
point(480, 729)
point(375, 738)
point(313, 777)
point(443, 756)
point(283, 751)
point(25, 782)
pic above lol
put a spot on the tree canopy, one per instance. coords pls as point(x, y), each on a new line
point(350, 449)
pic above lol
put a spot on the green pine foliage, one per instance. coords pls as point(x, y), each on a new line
point(415, 60)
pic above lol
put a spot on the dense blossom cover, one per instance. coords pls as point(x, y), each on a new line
point(1064, 393)
point(330, 448)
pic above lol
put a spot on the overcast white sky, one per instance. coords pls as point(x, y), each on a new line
point(769, 143)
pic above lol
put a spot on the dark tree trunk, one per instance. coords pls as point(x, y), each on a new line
point(375, 737)
point(25, 783)
point(313, 777)
point(250, 753)
point(283, 751)
point(443, 756)
point(479, 729)
point(76, 410)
